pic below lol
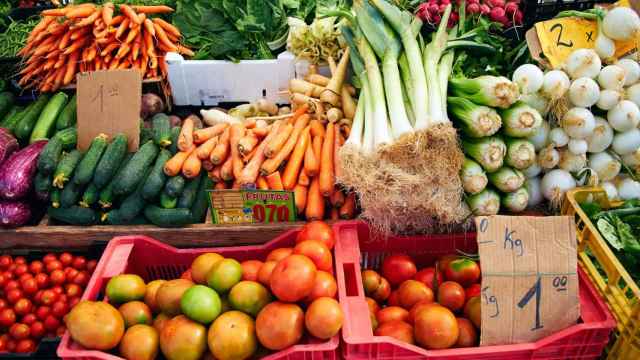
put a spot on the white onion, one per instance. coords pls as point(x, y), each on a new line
point(631, 71)
point(555, 183)
point(558, 138)
point(601, 138)
point(610, 189)
point(627, 142)
point(624, 116)
point(535, 192)
point(533, 170)
point(540, 138)
point(628, 189)
point(611, 77)
point(584, 92)
point(621, 23)
point(572, 162)
point(632, 160)
point(583, 63)
point(529, 78)
point(548, 158)
point(604, 47)
point(608, 99)
point(536, 101)
point(633, 93)
point(604, 165)
point(578, 123)
point(555, 85)
point(578, 146)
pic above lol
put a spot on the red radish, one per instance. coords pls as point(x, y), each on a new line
point(496, 3)
point(473, 8)
point(510, 8)
point(433, 8)
point(445, 2)
point(517, 18)
point(473, 2)
point(422, 12)
point(484, 9)
point(497, 14)
point(441, 8)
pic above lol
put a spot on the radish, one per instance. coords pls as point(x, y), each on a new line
point(511, 8)
point(473, 8)
point(497, 14)
point(485, 9)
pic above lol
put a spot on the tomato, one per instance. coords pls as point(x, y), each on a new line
point(14, 295)
point(293, 278)
point(463, 271)
point(20, 260)
point(37, 330)
point(3, 280)
point(11, 345)
point(264, 274)
point(250, 269)
point(427, 275)
point(29, 319)
point(398, 268)
point(73, 290)
point(49, 258)
point(21, 269)
point(391, 313)
point(375, 285)
point(73, 301)
point(49, 297)
point(70, 272)
point(3, 304)
point(54, 265)
point(30, 286)
point(317, 230)
point(232, 336)
point(82, 278)
point(11, 285)
point(324, 318)
point(37, 298)
point(57, 277)
point(418, 307)
point(51, 323)
point(444, 261)
point(7, 317)
point(42, 280)
point(279, 325)
point(472, 291)
point(91, 266)
point(5, 261)
point(187, 275)
point(472, 311)
point(396, 329)
point(42, 312)
point(3, 344)
point(36, 267)
point(79, 263)
point(26, 346)
point(324, 286)
point(59, 309)
point(411, 292)
point(451, 295)
point(373, 306)
point(58, 290)
point(435, 327)
point(9, 275)
point(279, 254)
point(12, 267)
point(66, 259)
point(24, 277)
point(318, 252)
point(22, 307)
point(19, 331)
point(468, 336)
point(393, 299)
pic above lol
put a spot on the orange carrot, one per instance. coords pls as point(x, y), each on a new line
point(278, 141)
point(275, 181)
point(152, 9)
point(163, 39)
point(173, 166)
point(121, 29)
point(71, 69)
point(204, 134)
point(168, 28)
point(261, 183)
point(88, 20)
point(272, 164)
point(315, 201)
point(185, 139)
point(317, 129)
point(54, 12)
point(133, 33)
point(184, 50)
point(80, 12)
point(148, 25)
point(337, 198)
point(348, 209)
point(107, 13)
point(326, 175)
point(235, 134)
point(128, 12)
point(336, 153)
point(299, 112)
point(251, 170)
point(247, 157)
point(311, 162)
point(109, 48)
point(226, 171)
point(291, 171)
point(204, 150)
point(117, 20)
point(260, 132)
point(53, 54)
point(192, 166)
point(91, 53)
point(300, 196)
point(142, 18)
point(221, 151)
point(62, 60)
point(248, 143)
point(135, 48)
point(123, 51)
point(64, 42)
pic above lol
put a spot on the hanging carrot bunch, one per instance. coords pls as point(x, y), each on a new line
point(89, 37)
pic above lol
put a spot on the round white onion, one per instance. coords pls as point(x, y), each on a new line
point(555, 183)
point(608, 99)
point(631, 71)
point(628, 189)
point(572, 162)
point(624, 116)
point(578, 146)
point(604, 165)
point(632, 160)
point(583, 63)
point(535, 192)
point(584, 92)
point(529, 78)
point(610, 189)
point(537, 101)
point(604, 47)
point(548, 158)
point(555, 85)
point(627, 142)
point(601, 138)
point(540, 138)
point(621, 23)
point(611, 77)
point(558, 138)
point(533, 170)
point(578, 123)
point(633, 94)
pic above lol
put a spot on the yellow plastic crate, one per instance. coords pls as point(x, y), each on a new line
point(610, 277)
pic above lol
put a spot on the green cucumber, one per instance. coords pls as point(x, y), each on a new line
point(201, 204)
point(65, 168)
point(69, 114)
point(86, 167)
point(167, 201)
point(42, 182)
point(68, 138)
point(167, 217)
point(74, 215)
point(114, 217)
point(135, 170)
point(50, 156)
point(46, 121)
point(146, 134)
point(11, 120)
point(90, 196)
point(157, 178)
point(6, 102)
point(71, 194)
point(133, 204)
point(106, 194)
point(110, 161)
point(189, 193)
point(161, 130)
point(175, 133)
point(12, 112)
point(28, 121)
point(174, 186)
point(55, 197)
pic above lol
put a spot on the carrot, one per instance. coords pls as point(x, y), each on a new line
point(215, 174)
point(291, 171)
point(226, 171)
point(337, 198)
point(248, 143)
point(221, 151)
point(148, 43)
point(71, 69)
point(107, 13)
point(152, 9)
point(88, 20)
point(336, 153)
point(49, 64)
point(298, 112)
point(125, 64)
point(59, 77)
point(54, 12)
point(53, 55)
point(135, 48)
point(236, 133)
point(326, 175)
point(128, 12)
point(251, 170)
point(163, 39)
point(317, 129)
point(300, 196)
point(123, 51)
point(185, 139)
point(117, 20)
point(315, 202)
point(173, 166)
point(311, 162)
point(204, 134)
point(142, 18)
point(80, 12)
point(278, 141)
point(348, 209)
point(148, 25)
point(122, 28)
point(207, 165)
point(247, 157)
point(272, 164)
point(62, 60)
point(168, 28)
point(184, 50)
point(114, 64)
point(133, 33)
point(275, 181)
point(261, 183)
point(204, 150)
point(65, 40)
point(260, 132)
point(192, 166)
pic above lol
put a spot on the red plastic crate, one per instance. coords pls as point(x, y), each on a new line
point(152, 260)
point(357, 249)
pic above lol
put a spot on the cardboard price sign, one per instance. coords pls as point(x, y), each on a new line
point(529, 277)
point(251, 206)
point(109, 103)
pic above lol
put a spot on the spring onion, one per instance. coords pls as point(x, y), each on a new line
point(583, 63)
point(601, 138)
point(624, 116)
point(488, 152)
point(558, 138)
point(534, 190)
point(604, 165)
point(555, 183)
point(532, 171)
point(536, 101)
point(474, 120)
point(548, 158)
point(555, 85)
point(484, 203)
point(621, 23)
point(626, 142)
point(631, 71)
point(584, 92)
point(529, 78)
point(633, 93)
point(520, 120)
point(571, 162)
point(578, 123)
point(610, 189)
point(632, 161)
point(494, 91)
point(578, 146)
point(540, 137)
point(611, 77)
point(516, 201)
point(628, 189)
point(473, 177)
point(608, 99)
point(520, 153)
point(507, 179)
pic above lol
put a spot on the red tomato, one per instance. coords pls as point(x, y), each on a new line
point(57, 277)
point(473, 290)
point(73, 301)
point(20, 269)
point(3, 304)
point(26, 346)
point(11, 285)
point(293, 278)
point(9, 275)
point(14, 295)
point(30, 286)
point(7, 317)
point(29, 319)
point(12, 267)
point(463, 271)
point(58, 289)
point(60, 330)
point(42, 312)
point(59, 309)
point(318, 252)
point(42, 280)
point(25, 276)
point(435, 327)
point(79, 263)
point(51, 323)
point(279, 254)
point(73, 290)
point(82, 278)
point(3, 344)
point(398, 268)
point(49, 258)
point(411, 292)
point(37, 330)
point(37, 298)
point(20, 260)
point(54, 265)
point(11, 345)
point(70, 273)
point(3, 280)
point(36, 267)
point(426, 276)
point(49, 297)
point(22, 307)
point(91, 265)
point(66, 259)
point(63, 297)
point(317, 230)
point(19, 331)
point(451, 295)
point(5, 261)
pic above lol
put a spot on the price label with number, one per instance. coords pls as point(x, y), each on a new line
point(529, 277)
point(251, 206)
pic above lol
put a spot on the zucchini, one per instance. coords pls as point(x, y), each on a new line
point(175, 133)
point(68, 138)
point(90, 196)
point(50, 156)
point(71, 194)
point(110, 161)
point(86, 167)
point(55, 197)
point(201, 204)
point(69, 114)
point(42, 182)
point(135, 170)
point(106, 194)
point(161, 130)
point(167, 217)
point(174, 186)
point(167, 201)
point(74, 215)
point(46, 121)
point(6, 102)
point(189, 193)
point(65, 168)
point(28, 121)
point(156, 179)
point(11, 120)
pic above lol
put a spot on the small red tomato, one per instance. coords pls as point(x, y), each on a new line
point(30, 286)
point(5, 261)
point(9, 275)
point(59, 309)
point(11, 285)
point(3, 304)
point(82, 278)
point(37, 298)
point(22, 307)
point(12, 267)
point(463, 271)
point(20, 260)
point(42, 312)
point(51, 323)
point(20, 269)
point(36, 267)
point(3, 280)
point(60, 330)
point(66, 259)
point(19, 331)
point(29, 319)
point(73, 302)
point(42, 280)
point(7, 317)
point(79, 263)
point(37, 330)
point(14, 295)
point(63, 297)
point(3, 344)
point(70, 272)
point(49, 257)
point(57, 277)
point(26, 346)
point(11, 345)
point(473, 290)
point(73, 290)
point(58, 289)
point(91, 265)
point(25, 276)
point(49, 297)
point(54, 265)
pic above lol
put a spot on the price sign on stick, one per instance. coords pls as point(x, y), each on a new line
point(529, 277)
point(109, 103)
point(251, 206)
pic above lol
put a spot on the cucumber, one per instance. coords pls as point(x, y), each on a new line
point(69, 114)
point(68, 138)
point(65, 168)
point(55, 197)
point(110, 161)
point(167, 217)
point(12, 112)
point(42, 182)
point(106, 194)
point(28, 121)
point(133, 204)
point(114, 217)
point(11, 120)
point(74, 215)
point(46, 121)
point(71, 194)
point(146, 134)
point(189, 193)
point(135, 170)
point(161, 130)
point(90, 195)
point(89, 162)
point(50, 156)
point(175, 133)
point(6, 102)
point(156, 179)
point(174, 186)
point(201, 204)
point(167, 201)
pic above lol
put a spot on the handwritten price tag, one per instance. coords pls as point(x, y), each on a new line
point(251, 206)
point(529, 279)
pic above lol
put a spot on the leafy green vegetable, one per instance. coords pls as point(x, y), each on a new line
point(591, 208)
point(15, 36)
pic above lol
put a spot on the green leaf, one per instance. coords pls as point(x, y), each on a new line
point(610, 234)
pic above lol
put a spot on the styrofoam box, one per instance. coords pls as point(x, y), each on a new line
point(210, 82)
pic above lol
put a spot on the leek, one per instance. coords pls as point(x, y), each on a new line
point(473, 177)
point(520, 120)
point(432, 55)
point(520, 153)
point(474, 120)
point(494, 91)
point(516, 201)
point(507, 179)
point(488, 152)
point(484, 203)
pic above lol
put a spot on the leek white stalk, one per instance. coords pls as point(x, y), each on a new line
point(357, 127)
point(611, 77)
point(484, 203)
point(474, 179)
point(584, 92)
point(520, 120)
point(578, 146)
point(488, 152)
point(516, 201)
point(571, 162)
point(601, 138)
point(432, 55)
point(529, 78)
point(540, 137)
point(578, 123)
point(520, 153)
point(537, 101)
point(631, 71)
point(624, 116)
point(507, 179)
point(608, 99)
point(555, 85)
point(474, 120)
point(621, 23)
point(533, 170)
point(534, 190)
point(604, 165)
point(555, 184)
point(548, 158)
point(627, 142)
point(494, 91)
point(583, 63)
point(628, 189)
point(558, 138)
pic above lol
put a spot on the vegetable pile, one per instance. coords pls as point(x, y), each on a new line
point(508, 14)
point(15, 37)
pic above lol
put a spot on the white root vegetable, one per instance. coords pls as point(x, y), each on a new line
point(633, 94)
point(571, 162)
point(604, 165)
point(215, 116)
point(632, 160)
point(532, 171)
point(540, 138)
point(631, 71)
point(604, 47)
point(584, 92)
point(628, 189)
point(601, 138)
point(608, 99)
point(267, 106)
point(578, 123)
point(611, 77)
point(578, 146)
point(537, 101)
point(529, 78)
point(627, 142)
point(610, 189)
point(533, 186)
point(555, 184)
point(555, 85)
point(621, 23)
point(583, 63)
point(624, 116)
point(558, 138)
point(548, 158)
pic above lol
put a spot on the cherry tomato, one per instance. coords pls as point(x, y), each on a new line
point(5, 261)
point(54, 265)
point(30, 286)
point(26, 346)
point(3, 344)
point(60, 330)
point(59, 309)
point(66, 259)
point(22, 307)
point(58, 289)
point(57, 277)
point(73, 290)
point(12, 267)
point(14, 295)
point(42, 312)
point(11, 345)
point(36, 267)
point(9, 275)
point(29, 319)
point(91, 265)
point(79, 263)
point(51, 323)
point(73, 302)
point(49, 297)
point(37, 298)
point(21, 269)
point(7, 317)
point(49, 257)
point(3, 304)
point(70, 273)
point(42, 280)
point(3, 280)
point(19, 331)
point(25, 276)
point(20, 260)
point(37, 330)
point(11, 284)
point(63, 297)
point(81, 279)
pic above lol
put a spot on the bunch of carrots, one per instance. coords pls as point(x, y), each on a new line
point(296, 152)
point(88, 37)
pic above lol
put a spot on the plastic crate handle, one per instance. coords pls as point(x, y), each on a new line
point(116, 256)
